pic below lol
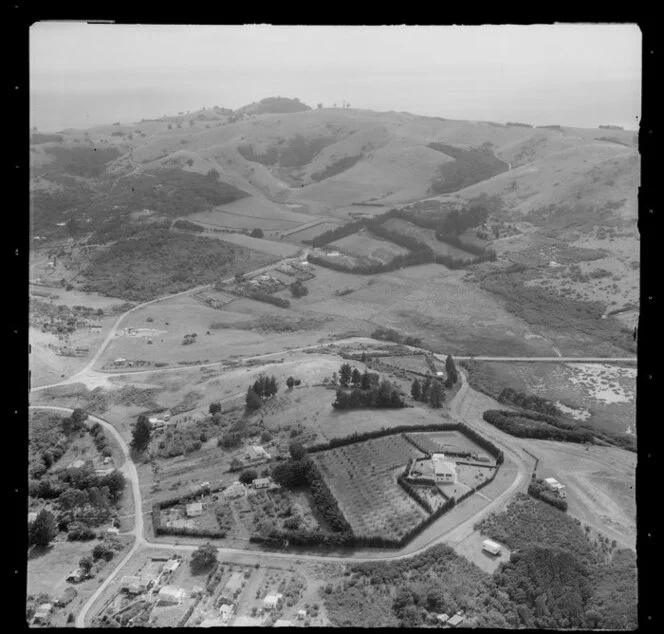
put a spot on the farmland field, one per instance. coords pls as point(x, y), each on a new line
point(425, 235)
point(278, 249)
point(311, 232)
point(446, 441)
point(377, 506)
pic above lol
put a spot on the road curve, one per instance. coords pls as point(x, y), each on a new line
point(129, 470)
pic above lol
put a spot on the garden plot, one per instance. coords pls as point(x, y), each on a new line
point(362, 477)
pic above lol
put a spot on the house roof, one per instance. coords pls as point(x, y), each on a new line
point(272, 599)
point(171, 564)
point(455, 620)
point(194, 507)
point(551, 481)
point(171, 592)
point(490, 544)
point(442, 466)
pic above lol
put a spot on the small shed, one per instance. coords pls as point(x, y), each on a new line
point(76, 575)
point(491, 547)
point(443, 618)
point(134, 585)
point(112, 531)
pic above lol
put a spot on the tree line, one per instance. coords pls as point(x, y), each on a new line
point(529, 401)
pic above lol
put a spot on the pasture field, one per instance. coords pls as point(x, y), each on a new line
point(427, 236)
point(414, 363)
point(271, 247)
point(362, 478)
point(250, 213)
point(365, 246)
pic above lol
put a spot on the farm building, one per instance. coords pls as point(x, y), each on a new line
point(43, 613)
point(444, 471)
point(170, 595)
point(442, 618)
point(134, 585)
point(271, 600)
point(235, 490)
point(554, 485)
point(119, 362)
point(491, 547)
point(194, 509)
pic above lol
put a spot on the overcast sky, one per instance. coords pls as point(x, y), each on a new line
point(581, 75)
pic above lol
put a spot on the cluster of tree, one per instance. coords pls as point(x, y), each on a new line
point(339, 232)
point(529, 401)
point(518, 124)
point(260, 296)
point(385, 395)
point(256, 233)
point(189, 339)
point(262, 388)
point(526, 425)
point(156, 262)
point(275, 105)
point(296, 152)
point(469, 167)
point(43, 530)
point(187, 225)
point(141, 434)
point(292, 382)
point(50, 436)
point(203, 558)
point(450, 368)
point(430, 391)
point(298, 289)
point(388, 334)
point(229, 440)
point(538, 489)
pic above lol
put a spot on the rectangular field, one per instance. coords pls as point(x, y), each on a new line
point(426, 236)
point(448, 441)
point(311, 232)
point(362, 477)
point(367, 247)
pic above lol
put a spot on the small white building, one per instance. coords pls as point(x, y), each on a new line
point(271, 600)
point(491, 547)
point(301, 614)
point(112, 531)
point(134, 585)
point(555, 486)
point(32, 516)
point(77, 464)
point(444, 471)
point(194, 509)
point(119, 361)
point(265, 483)
point(170, 595)
point(443, 618)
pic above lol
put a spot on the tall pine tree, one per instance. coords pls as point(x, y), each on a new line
point(141, 434)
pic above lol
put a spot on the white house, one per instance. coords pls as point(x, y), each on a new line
point(271, 600)
point(226, 610)
point(32, 516)
point(195, 509)
point(444, 471)
point(170, 595)
point(134, 585)
point(43, 613)
point(491, 547)
point(77, 464)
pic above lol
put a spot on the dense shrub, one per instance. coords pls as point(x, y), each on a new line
point(187, 225)
point(526, 425)
point(538, 489)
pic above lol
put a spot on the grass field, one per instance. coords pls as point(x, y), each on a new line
point(362, 478)
point(271, 247)
point(366, 247)
point(311, 232)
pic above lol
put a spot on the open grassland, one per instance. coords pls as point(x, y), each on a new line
point(270, 247)
point(362, 478)
point(447, 441)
